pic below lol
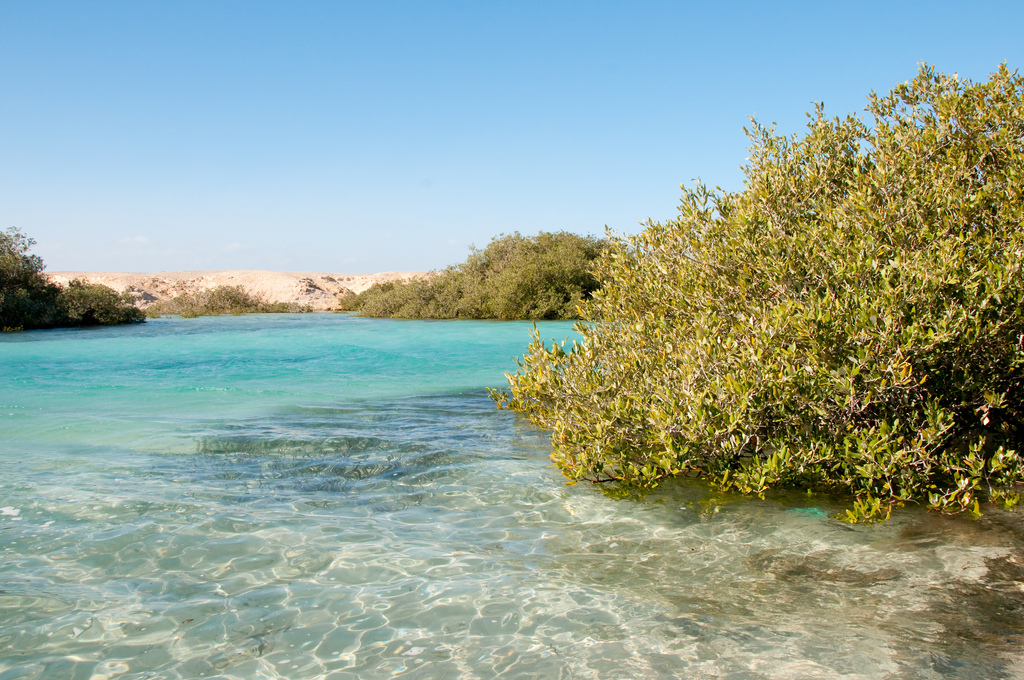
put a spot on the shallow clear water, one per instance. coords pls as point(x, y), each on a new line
point(320, 496)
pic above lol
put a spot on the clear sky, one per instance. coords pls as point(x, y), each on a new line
point(375, 136)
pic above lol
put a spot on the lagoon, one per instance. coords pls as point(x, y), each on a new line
point(325, 496)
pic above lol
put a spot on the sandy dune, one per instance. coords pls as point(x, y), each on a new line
point(318, 290)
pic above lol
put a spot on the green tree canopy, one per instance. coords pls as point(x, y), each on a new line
point(515, 277)
point(28, 300)
point(851, 320)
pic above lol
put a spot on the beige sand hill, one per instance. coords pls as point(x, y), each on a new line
point(318, 290)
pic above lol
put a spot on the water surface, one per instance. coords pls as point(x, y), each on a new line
point(321, 496)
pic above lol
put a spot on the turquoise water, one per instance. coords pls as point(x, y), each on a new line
point(320, 496)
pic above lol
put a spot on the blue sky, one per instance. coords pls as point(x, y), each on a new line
point(375, 136)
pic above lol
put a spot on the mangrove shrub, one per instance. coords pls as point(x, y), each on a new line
point(93, 304)
point(220, 300)
point(515, 277)
point(851, 320)
point(28, 300)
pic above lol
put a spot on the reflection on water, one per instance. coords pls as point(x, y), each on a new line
point(427, 537)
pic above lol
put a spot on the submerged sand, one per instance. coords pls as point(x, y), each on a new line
point(318, 290)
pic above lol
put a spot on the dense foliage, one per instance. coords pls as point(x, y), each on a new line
point(220, 300)
point(28, 300)
point(93, 304)
point(851, 320)
point(514, 277)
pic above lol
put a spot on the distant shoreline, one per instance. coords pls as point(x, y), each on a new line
point(317, 290)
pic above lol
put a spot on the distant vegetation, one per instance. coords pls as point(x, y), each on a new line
point(28, 300)
point(220, 300)
point(515, 277)
point(852, 320)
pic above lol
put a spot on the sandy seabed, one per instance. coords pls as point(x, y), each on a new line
point(317, 290)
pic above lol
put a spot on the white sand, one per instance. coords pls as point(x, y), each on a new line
point(318, 290)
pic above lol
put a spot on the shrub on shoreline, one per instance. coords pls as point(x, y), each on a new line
point(851, 320)
point(93, 304)
point(28, 301)
point(220, 300)
point(515, 277)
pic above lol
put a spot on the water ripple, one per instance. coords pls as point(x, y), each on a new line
point(425, 536)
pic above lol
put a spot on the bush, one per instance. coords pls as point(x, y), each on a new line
point(28, 300)
point(851, 320)
point(92, 304)
point(220, 300)
point(394, 299)
point(514, 277)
